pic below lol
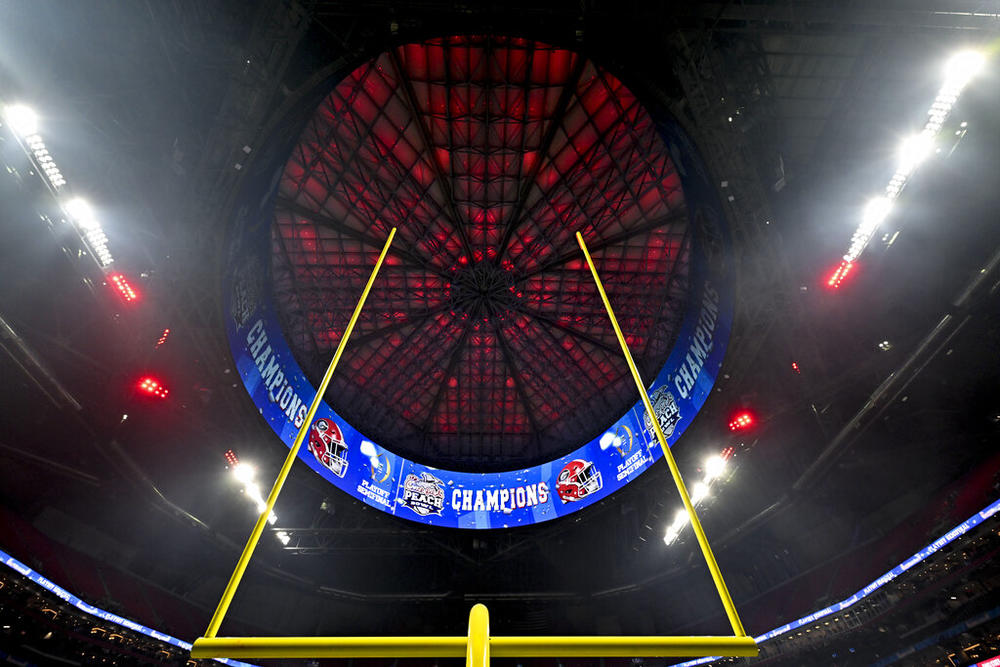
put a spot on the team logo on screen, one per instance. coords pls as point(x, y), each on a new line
point(578, 479)
point(667, 413)
point(326, 443)
point(424, 494)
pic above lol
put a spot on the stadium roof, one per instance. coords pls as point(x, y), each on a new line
point(483, 342)
point(798, 109)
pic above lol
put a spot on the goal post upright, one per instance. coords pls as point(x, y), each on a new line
point(706, 549)
point(293, 452)
point(478, 646)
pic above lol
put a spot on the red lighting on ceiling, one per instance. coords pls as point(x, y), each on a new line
point(231, 457)
point(163, 338)
point(150, 386)
point(741, 422)
point(505, 352)
point(838, 275)
point(727, 453)
point(795, 367)
point(124, 289)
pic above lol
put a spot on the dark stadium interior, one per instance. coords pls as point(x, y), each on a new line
point(876, 405)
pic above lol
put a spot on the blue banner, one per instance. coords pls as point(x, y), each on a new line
point(97, 612)
point(919, 557)
point(374, 474)
point(922, 555)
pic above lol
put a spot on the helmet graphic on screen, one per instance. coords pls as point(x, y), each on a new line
point(326, 443)
point(577, 479)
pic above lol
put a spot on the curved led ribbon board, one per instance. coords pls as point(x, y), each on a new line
point(384, 479)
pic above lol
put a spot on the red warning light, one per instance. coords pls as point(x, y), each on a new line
point(795, 367)
point(163, 338)
point(150, 386)
point(124, 289)
point(741, 422)
point(838, 275)
point(231, 458)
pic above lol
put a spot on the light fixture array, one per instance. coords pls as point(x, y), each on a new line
point(714, 468)
point(959, 71)
point(24, 122)
point(246, 474)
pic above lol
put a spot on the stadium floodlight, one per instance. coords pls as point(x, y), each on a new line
point(283, 537)
point(961, 68)
point(24, 123)
point(714, 467)
point(958, 72)
point(253, 491)
point(244, 472)
point(83, 216)
point(96, 237)
point(675, 528)
point(21, 119)
point(875, 212)
point(699, 493)
point(913, 151)
point(79, 209)
point(680, 520)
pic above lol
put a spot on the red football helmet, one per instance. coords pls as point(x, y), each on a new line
point(326, 443)
point(577, 479)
